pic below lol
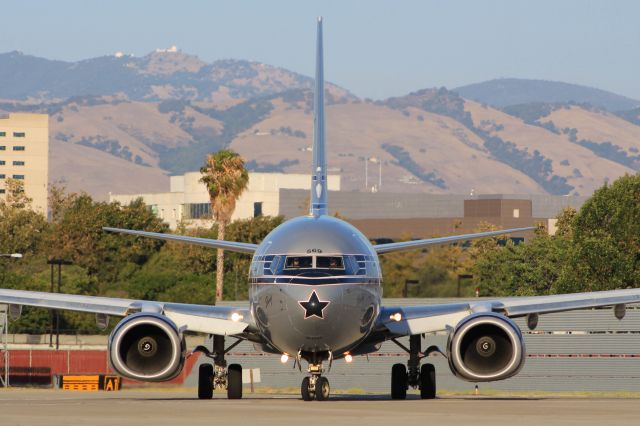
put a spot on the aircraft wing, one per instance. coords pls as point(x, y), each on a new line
point(408, 245)
point(409, 320)
point(220, 320)
point(206, 242)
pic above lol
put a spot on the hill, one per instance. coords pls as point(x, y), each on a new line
point(419, 151)
point(513, 91)
point(163, 74)
point(162, 113)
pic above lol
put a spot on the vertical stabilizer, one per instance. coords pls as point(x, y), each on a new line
point(319, 172)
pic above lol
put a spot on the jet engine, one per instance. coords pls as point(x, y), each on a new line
point(146, 346)
point(485, 347)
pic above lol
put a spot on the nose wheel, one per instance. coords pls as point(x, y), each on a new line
point(315, 385)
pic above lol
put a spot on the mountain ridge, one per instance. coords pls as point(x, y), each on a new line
point(177, 108)
point(503, 92)
point(153, 77)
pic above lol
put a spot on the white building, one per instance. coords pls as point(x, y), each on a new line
point(188, 199)
point(24, 155)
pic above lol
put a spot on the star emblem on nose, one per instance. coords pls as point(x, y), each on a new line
point(313, 307)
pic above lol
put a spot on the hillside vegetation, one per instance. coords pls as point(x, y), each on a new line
point(123, 124)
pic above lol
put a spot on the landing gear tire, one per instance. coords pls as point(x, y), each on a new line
point(399, 381)
point(427, 381)
point(205, 381)
point(322, 389)
point(234, 381)
point(306, 393)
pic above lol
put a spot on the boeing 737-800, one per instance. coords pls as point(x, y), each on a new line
point(315, 296)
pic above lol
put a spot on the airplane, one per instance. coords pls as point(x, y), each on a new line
point(315, 295)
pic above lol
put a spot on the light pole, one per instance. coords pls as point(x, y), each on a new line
point(377, 161)
point(14, 255)
point(407, 283)
point(460, 278)
point(366, 174)
point(55, 313)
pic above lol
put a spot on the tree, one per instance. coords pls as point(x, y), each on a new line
point(21, 229)
point(181, 272)
point(605, 252)
point(16, 197)
point(596, 248)
point(251, 230)
point(76, 234)
point(226, 178)
point(565, 222)
point(522, 270)
point(398, 267)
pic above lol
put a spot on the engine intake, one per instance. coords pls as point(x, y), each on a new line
point(485, 347)
point(146, 347)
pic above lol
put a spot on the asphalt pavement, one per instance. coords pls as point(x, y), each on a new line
point(169, 407)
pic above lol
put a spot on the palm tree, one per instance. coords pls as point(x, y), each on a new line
point(226, 178)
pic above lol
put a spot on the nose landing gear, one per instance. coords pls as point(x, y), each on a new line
point(315, 386)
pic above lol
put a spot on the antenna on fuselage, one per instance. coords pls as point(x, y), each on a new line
point(319, 171)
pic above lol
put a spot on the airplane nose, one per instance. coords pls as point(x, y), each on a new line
point(314, 318)
point(330, 317)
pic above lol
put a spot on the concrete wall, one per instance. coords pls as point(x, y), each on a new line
point(547, 206)
point(385, 205)
point(397, 229)
point(379, 205)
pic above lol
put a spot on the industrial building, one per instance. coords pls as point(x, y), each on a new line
point(393, 216)
point(188, 200)
point(24, 155)
point(379, 215)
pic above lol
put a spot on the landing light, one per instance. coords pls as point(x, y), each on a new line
point(348, 358)
point(284, 358)
point(396, 317)
point(235, 317)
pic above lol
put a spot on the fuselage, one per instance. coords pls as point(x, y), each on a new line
point(315, 287)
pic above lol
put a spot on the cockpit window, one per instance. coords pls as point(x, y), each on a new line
point(276, 265)
point(299, 262)
point(329, 262)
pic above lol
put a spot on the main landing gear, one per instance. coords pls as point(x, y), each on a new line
point(415, 376)
point(315, 386)
point(219, 375)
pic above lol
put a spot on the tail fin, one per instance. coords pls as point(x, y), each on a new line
point(319, 172)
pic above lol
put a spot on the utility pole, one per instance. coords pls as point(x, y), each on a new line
point(55, 313)
point(407, 283)
point(460, 278)
point(366, 174)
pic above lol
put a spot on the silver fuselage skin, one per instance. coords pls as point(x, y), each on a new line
point(353, 294)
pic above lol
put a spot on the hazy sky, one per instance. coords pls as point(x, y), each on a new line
point(373, 48)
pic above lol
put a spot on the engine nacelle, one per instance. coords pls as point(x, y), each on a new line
point(485, 347)
point(146, 346)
